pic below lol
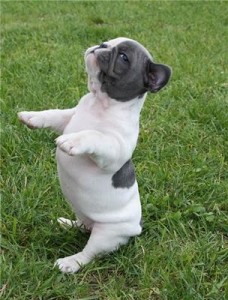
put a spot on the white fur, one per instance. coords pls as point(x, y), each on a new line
point(97, 137)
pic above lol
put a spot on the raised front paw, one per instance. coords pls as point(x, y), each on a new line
point(75, 143)
point(32, 119)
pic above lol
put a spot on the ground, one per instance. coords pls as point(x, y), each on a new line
point(180, 160)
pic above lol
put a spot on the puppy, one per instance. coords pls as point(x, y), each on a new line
point(96, 144)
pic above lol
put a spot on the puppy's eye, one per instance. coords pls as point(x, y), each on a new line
point(124, 57)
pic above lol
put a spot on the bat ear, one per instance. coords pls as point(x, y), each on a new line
point(157, 76)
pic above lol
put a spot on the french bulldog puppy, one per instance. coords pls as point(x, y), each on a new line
point(97, 140)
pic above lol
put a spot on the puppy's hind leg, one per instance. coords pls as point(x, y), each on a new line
point(104, 238)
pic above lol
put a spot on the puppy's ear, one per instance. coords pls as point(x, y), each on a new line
point(157, 76)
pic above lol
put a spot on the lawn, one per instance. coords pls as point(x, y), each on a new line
point(180, 160)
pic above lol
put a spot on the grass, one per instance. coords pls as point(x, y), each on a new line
point(181, 157)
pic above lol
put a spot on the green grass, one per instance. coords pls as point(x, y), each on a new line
point(180, 158)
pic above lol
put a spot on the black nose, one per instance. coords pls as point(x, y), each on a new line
point(103, 45)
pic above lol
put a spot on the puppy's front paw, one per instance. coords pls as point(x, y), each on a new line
point(74, 144)
point(69, 264)
point(32, 119)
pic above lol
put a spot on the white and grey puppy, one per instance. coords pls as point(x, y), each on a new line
point(96, 144)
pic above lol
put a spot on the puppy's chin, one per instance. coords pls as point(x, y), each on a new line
point(92, 70)
point(92, 67)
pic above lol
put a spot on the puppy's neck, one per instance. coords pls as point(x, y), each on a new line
point(94, 87)
point(94, 84)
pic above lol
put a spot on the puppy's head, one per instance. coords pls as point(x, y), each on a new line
point(124, 69)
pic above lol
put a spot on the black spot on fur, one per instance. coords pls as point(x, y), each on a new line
point(125, 177)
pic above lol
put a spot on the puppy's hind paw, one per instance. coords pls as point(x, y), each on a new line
point(66, 223)
point(68, 264)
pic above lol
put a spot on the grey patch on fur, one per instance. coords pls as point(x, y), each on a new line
point(123, 80)
point(125, 177)
point(127, 72)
